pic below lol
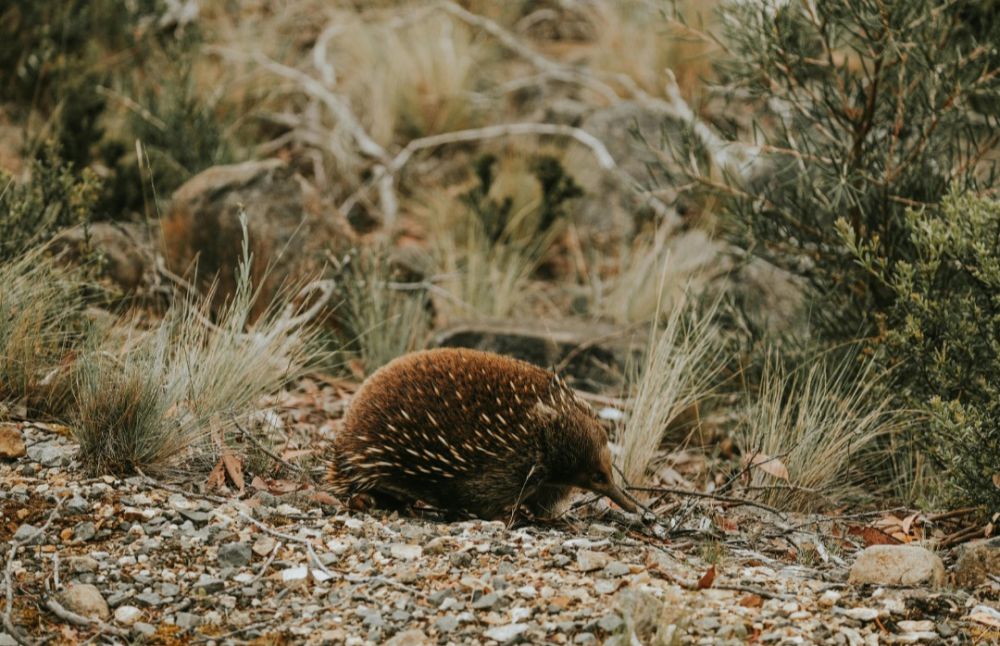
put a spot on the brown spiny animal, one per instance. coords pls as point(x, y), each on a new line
point(470, 433)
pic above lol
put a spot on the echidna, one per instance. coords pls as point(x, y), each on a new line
point(471, 433)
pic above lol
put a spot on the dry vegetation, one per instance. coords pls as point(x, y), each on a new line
point(466, 132)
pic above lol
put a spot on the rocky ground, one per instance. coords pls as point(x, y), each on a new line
point(136, 560)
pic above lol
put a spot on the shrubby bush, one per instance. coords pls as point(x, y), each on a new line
point(868, 114)
point(944, 328)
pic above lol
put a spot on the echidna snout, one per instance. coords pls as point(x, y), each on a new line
point(470, 433)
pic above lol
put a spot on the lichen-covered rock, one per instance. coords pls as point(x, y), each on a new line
point(909, 565)
point(85, 599)
point(290, 229)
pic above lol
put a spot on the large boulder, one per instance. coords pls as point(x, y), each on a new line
point(290, 229)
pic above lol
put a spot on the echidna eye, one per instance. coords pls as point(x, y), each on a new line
point(600, 478)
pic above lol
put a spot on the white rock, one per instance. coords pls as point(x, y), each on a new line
point(406, 551)
point(588, 560)
point(127, 615)
point(909, 565)
point(527, 591)
point(505, 633)
point(294, 574)
point(862, 614)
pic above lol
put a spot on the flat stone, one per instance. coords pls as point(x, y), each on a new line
point(28, 535)
point(187, 620)
point(977, 562)
point(127, 615)
point(263, 546)
point(148, 599)
point(585, 638)
point(145, 629)
point(7, 640)
point(506, 633)
point(85, 599)
point(195, 516)
point(446, 624)
point(908, 565)
point(235, 554)
point(49, 454)
point(84, 531)
point(610, 622)
point(589, 560)
point(209, 585)
point(414, 637)
point(11, 442)
point(405, 551)
point(82, 564)
point(486, 601)
point(77, 505)
point(616, 569)
point(862, 614)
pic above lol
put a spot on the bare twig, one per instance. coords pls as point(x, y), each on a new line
point(88, 622)
point(710, 496)
point(260, 445)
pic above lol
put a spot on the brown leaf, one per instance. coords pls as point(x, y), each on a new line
point(324, 498)
point(908, 522)
point(769, 465)
point(293, 454)
point(752, 601)
point(707, 579)
point(217, 478)
point(872, 536)
point(996, 480)
point(234, 467)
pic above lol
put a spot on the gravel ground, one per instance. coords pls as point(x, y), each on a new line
point(157, 564)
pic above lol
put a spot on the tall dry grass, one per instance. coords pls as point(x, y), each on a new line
point(678, 370)
point(828, 423)
point(170, 397)
point(41, 325)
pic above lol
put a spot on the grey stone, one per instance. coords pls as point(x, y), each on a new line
point(144, 629)
point(506, 633)
point(486, 602)
point(400, 616)
point(28, 534)
point(437, 598)
point(84, 531)
point(446, 624)
point(374, 620)
point(49, 454)
point(127, 615)
point(148, 599)
point(118, 598)
point(908, 565)
point(195, 516)
point(7, 640)
point(616, 569)
point(81, 564)
point(187, 620)
point(77, 505)
point(168, 589)
point(235, 554)
point(209, 585)
point(460, 559)
point(708, 624)
point(588, 560)
point(585, 638)
point(85, 599)
point(610, 622)
point(413, 637)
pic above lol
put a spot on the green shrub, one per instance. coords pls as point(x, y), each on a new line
point(55, 197)
point(865, 108)
point(944, 328)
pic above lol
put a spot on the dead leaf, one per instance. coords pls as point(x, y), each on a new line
point(872, 536)
point(293, 454)
point(324, 498)
point(996, 480)
point(217, 478)
point(908, 522)
point(707, 579)
point(275, 487)
point(752, 601)
point(234, 467)
point(769, 465)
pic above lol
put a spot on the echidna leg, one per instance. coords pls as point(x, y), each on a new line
point(548, 501)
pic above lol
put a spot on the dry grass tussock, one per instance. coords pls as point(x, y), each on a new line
point(681, 363)
point(825, 423)
point(41, 322)
point(167, 398)
point(382, 318)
